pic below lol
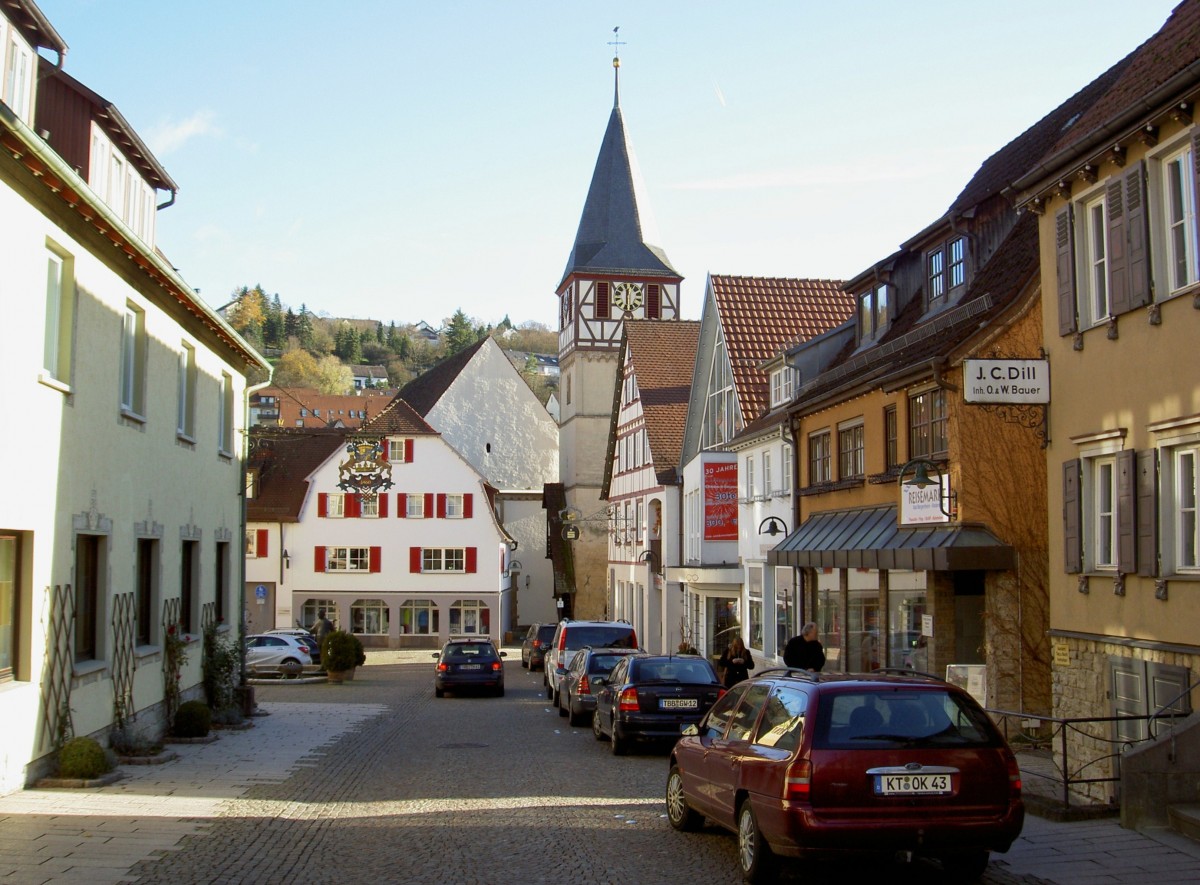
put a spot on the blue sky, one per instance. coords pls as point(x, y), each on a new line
point(400, 160)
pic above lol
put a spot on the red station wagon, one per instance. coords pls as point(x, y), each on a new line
point(796, 762)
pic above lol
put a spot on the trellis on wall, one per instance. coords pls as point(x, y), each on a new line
point(57, 727)
point(124, 661)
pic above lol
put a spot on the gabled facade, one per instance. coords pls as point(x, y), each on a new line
point(420, 560)
point(483, 408)
point(1116, 201)
point(642, 483)
point(274, 406)
point(616, 271)
point(746, 322)
point(366, 377)
point(124, 526)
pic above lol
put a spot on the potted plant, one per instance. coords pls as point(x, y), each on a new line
point(341, 652)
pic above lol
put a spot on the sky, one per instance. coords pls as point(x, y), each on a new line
point(401, 160)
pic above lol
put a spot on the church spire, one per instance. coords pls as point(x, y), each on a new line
point(616, 231)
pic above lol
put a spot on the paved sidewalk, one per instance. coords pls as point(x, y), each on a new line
point(98, 836)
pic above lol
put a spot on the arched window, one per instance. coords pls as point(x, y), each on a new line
point(469, 617)
point(369, 617)
point(308, 612)
point(418, 616)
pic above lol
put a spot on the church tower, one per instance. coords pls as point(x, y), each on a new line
point(616, 270)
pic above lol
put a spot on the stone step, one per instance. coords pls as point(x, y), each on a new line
point(1185, 819)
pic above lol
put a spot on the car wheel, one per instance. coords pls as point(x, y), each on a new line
point(597, 731)
point(562, 698)
point(754, 855)
point(965, 865)
point(525, 663)
point(573, 718)
point(499, 691)
point(439, 692)
point(618, 744)
point(679, 813)
point(549, 691)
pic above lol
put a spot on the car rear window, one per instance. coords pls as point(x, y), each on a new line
point(673, 670)
point(888, 716)
point(474, 652)
point(603, 663)
point(597, 637)
point(546, 633)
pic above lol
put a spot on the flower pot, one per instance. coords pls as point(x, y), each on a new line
point(340, 675)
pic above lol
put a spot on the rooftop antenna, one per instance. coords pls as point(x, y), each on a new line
point(616, 43)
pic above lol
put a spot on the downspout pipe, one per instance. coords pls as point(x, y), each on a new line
point(241, 571)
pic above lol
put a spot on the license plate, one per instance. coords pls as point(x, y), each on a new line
point(677, 704)
point(470, 666)
point(912, 784)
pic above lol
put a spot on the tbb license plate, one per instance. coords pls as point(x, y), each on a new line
point(913, 784)
point(677, 704)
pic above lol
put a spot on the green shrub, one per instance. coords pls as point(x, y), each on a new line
point(83, 757)
point(342, 651)
point(193, 720)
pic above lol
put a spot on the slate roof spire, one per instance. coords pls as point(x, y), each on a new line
point(616, 232)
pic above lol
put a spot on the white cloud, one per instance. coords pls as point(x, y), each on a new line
point(174, 134)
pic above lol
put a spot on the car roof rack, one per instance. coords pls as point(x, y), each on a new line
point(791, 671)
point(904, 671)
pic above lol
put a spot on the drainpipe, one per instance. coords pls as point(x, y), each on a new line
point(245, 691)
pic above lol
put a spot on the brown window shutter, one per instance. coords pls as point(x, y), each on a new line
point(401, 505)
point(653, 301)
point(1137, 226)
point(1147, 512)
point(601, 301)
point(260, 542)
point(1127, 511)
point(1118, 248)
point(1064, 249)
point(319, 559)
point(322, 504)
point(414, 560)
point(468, 506)
point(470, 555)
point(1072, 518)
point(376, 559)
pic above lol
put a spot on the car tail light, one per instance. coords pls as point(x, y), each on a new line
point(628, 700)
point(1014, 774)
point(585, 687)
point(799, 779)
point(496, 665)
point(537, 643)
point(442, 667)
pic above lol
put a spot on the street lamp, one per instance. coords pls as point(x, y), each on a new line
point(514, 565)
point(921, 479)
point(651, 558)
point(773, 526)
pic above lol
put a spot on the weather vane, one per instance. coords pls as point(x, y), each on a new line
point(616, 43)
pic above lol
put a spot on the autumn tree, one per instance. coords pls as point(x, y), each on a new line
point(296, 368)
point(333, 376)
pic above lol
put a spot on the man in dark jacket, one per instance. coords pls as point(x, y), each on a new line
point(805, 652)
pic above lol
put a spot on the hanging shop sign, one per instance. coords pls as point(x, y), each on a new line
point(1006, 381)
point(366, 470)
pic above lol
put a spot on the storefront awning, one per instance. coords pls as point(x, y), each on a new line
point(872, 538)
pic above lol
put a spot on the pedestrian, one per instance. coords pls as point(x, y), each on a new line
point(322, 627)
point(735, 663)
point(805, 652)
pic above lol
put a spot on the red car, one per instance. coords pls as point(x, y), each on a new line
point(796, 762)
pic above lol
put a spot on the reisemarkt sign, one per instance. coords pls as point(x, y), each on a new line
point(1006, 381)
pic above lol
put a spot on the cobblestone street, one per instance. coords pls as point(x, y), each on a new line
point(376, 780)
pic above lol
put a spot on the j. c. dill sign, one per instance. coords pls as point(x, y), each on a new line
point(1006, 381)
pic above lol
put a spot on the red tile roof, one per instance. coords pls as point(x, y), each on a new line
point(764, 316)
point(331, 407)
point(663, 357)
point(284, 457)
point(398, 417)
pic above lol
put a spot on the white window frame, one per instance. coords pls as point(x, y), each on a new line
point(18, 77)
point(1184, 514)
point(59, 340)
point(251, 548)
point(225, 417)
point(335, 506)
point(768, 479)
point(368, 507)
point(444, 559)
point(133, 362)
point(414, 506)
point(785, 460)
point(751, 480)
point(1100, 512)
point(1094, 303)
point(1176, 220)
point(186, 412)
point(454, 506)
point(348, 560)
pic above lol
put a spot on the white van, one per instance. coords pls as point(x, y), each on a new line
point(570, 636)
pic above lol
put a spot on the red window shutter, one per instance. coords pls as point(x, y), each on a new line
point(429, 506)
point(319, 559)
point(353, 506)
point(401, 505)
point(260, 543)
point(470, 558)
point(414, 560)
point(376, 559)
point(322, 504)
point(468, 506)
point(408, 451)
point(383, 499)
point(441, 506)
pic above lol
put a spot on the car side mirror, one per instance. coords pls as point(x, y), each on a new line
point(504, 654)
point(436, 654)
point(690, 731)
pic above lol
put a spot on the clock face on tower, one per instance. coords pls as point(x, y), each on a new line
point(628, 296)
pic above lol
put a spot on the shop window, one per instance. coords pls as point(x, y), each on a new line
point(369, 617)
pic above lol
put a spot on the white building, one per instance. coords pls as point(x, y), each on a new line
point(120, 508)
point(421, 559)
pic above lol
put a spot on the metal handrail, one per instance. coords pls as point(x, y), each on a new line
point(1062, 728)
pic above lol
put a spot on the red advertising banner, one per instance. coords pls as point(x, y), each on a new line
point(720, 502)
